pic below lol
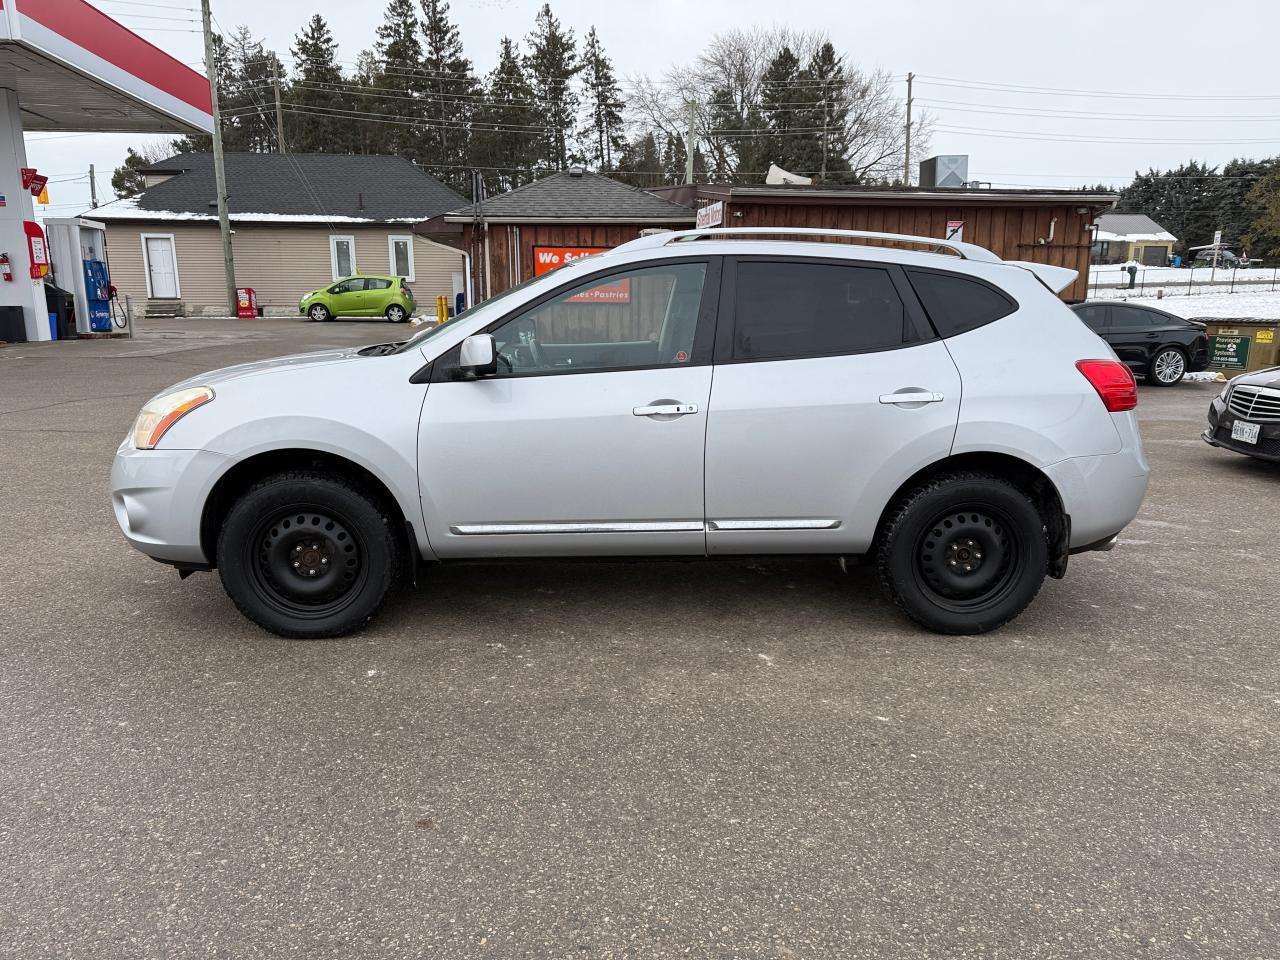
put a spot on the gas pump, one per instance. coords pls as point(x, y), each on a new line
point(80, 265)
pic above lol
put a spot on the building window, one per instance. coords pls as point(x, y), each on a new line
point(342, 256)
point(400, 255)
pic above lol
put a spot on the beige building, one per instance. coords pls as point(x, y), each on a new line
point(299, 222)
point(1132, 237)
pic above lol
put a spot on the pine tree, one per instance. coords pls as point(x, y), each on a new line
point(399, 80)
point(602, 137)
point(450, 90)
point(1262, 238)
point(502, 144)
point(1184, 201)
point(319, 94)
point(778, 108)
point(127, 179)
point(247, 100)
point(823, 83)
point(552, 64)
point(640, 163)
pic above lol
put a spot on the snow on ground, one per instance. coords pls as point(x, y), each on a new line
point(1247, 303)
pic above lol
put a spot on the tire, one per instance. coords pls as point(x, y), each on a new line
point(396, 313)
point(319, 313)
point(963, 553)
point(349, 537)
point(1167, 367)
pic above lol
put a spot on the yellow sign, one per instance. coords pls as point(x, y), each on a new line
point(44, 195)
point(1264, 336)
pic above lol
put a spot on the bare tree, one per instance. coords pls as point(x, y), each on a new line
point(727, 86)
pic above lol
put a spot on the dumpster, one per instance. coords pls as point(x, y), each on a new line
point(1240, 344)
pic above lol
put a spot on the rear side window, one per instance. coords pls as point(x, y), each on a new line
point(377, 283)
point(1131, 318)
point(1094, 315)
point(957, 304)
point(793, 309)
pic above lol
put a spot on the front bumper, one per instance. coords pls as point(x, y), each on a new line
point(1221, 420)
point(158, 497)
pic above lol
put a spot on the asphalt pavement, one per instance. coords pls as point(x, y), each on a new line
point(718, 760)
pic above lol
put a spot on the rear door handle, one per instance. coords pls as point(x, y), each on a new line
point(911, 396)
point(665, 409)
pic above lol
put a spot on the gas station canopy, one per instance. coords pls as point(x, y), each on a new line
point(74, 68)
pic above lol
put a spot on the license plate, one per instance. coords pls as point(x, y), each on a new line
point(1248, 432)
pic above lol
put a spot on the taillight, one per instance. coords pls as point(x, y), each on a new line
point(1113, 381)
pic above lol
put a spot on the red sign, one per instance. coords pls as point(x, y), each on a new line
point(37, 250)
point(246, 303)
point(546, 259)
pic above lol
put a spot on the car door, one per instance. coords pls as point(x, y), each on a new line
point(342, 297)
point(830, 390)
point(588, 440)
point(1134, 334)
point(377, 294)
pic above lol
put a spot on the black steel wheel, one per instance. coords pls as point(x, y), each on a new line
point(308, 555)
point(963, 553)
point(1168, 367)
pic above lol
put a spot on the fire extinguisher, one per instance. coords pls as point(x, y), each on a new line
point(5, 270)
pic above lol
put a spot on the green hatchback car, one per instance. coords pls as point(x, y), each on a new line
point(360, 296)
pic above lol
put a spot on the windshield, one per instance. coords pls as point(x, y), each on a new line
point(420, 338)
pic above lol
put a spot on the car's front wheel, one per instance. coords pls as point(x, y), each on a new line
point(319, 313)
point(306, 554)
point(396, 313)
point(963, 553)
point(1168, 367)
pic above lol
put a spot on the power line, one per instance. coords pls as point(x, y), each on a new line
point(1048, 136)
point(960, 105)
point(1062, 92)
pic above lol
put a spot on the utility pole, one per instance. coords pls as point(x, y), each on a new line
point(275, 82)
point(93, 189)
point(689, 141)
point(906, 160)
point(824, 138)
point(219, 167)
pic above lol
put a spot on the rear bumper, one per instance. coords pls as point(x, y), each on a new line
point(158, 497)
point(1101, 495)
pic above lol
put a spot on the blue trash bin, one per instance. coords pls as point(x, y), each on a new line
point(53, 326)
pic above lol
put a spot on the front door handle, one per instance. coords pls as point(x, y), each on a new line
point(911, 396)
point(665, 409)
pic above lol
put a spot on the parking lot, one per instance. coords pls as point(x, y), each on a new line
point(730, 759)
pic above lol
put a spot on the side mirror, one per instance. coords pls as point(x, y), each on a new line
point(478, 357)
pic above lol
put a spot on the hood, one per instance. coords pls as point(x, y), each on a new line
point(241, 370)
point(1269, 377)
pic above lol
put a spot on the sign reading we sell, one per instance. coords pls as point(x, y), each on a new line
point(546, 259)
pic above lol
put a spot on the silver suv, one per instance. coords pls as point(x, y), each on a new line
point(940, 414)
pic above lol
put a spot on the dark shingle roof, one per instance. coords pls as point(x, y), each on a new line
point(305, 184)
point(577, 197)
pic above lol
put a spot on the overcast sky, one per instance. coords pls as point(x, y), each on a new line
point(1203, 74)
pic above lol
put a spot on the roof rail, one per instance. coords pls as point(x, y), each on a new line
point(966, 251)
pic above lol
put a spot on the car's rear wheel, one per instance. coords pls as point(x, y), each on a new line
point(1168, 367)
point(396, 313)
point(963, 553)
point(319, 313)
point(307, 555)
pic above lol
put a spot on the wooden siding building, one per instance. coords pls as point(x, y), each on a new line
point(517, 235)
point(1042, 226)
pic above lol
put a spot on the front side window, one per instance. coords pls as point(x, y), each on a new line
point(342, 254)
point(400, 254)
point(958, 304)
point(644, 317)
point(790, 309)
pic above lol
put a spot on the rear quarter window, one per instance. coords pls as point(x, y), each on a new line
point(957, 303)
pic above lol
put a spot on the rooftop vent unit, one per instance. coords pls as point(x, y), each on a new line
point(945, 171)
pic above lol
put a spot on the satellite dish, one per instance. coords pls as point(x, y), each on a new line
point(777, 175)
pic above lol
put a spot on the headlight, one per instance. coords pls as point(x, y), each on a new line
point(163, 412)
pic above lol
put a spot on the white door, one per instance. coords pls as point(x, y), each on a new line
point(830, 391)
point(162, 268)
point(588, 439)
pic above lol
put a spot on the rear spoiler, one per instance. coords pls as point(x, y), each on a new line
point(1056, 279)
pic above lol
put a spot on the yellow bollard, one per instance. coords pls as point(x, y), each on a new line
point(442, 309)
